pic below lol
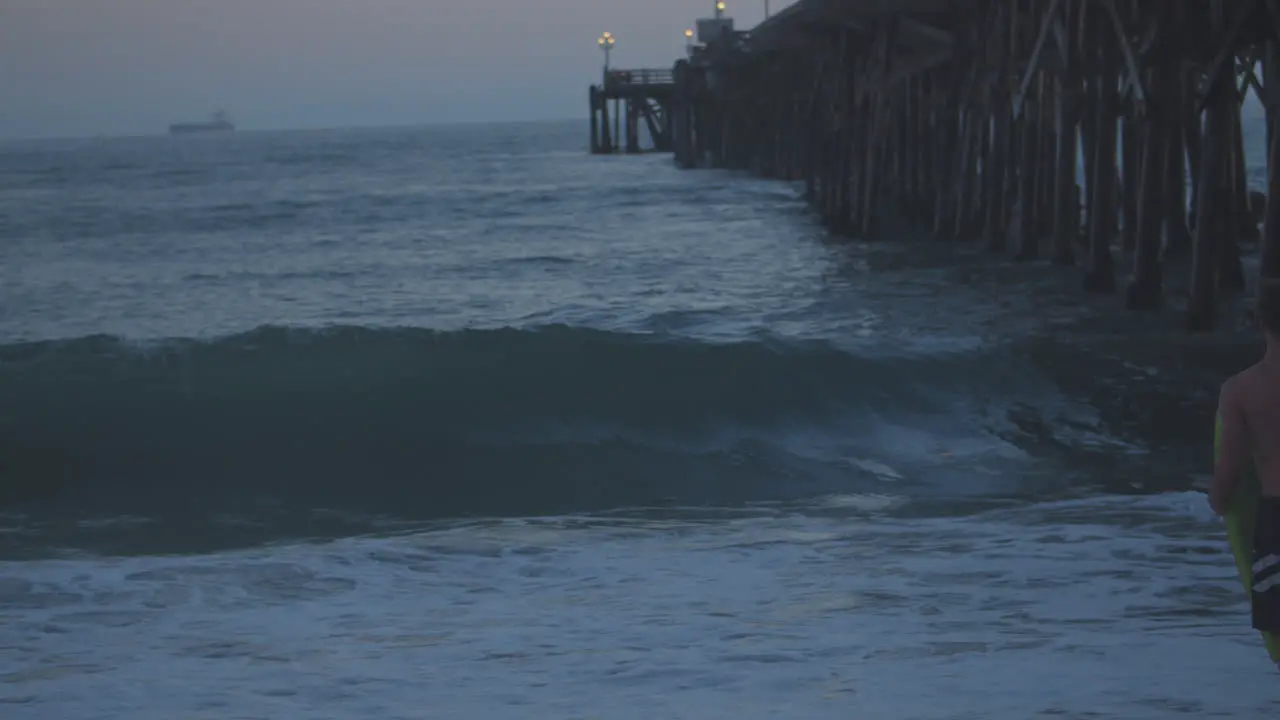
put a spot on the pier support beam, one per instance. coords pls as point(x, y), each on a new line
point(1270, 259)
point(1100, 276)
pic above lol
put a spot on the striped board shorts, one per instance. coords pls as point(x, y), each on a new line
point(1266, 566)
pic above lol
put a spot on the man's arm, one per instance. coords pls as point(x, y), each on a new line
point(1232, 453)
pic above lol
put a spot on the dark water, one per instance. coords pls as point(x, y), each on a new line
point(296, 414)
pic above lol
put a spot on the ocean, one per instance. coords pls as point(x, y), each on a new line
point(463, 422)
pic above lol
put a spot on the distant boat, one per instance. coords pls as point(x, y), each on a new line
point(218, 124)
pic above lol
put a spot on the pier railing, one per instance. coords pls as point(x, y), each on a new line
point(616, 79)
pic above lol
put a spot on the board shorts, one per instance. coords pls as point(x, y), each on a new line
point(1265, 593)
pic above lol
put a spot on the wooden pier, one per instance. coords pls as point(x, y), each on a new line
point(642, 94)
point(976, 119)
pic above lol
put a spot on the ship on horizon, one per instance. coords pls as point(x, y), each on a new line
point(219, 123)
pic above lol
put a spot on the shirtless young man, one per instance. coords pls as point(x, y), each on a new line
point(1249, 406)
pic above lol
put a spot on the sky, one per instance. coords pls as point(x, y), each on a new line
point(81, 68)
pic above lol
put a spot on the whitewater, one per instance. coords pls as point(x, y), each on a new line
point(463, 422)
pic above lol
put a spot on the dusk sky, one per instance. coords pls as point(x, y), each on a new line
point(89, 67)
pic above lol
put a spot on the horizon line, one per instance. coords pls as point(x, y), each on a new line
point(286, 129)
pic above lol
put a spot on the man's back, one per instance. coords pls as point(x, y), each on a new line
point(1255, 393)
point(1249, 429)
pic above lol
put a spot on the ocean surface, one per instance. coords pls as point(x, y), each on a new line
point(462, 422)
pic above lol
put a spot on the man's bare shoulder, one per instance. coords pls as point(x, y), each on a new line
point(1254, 380)
point(1244, 377)
point(1242, 384)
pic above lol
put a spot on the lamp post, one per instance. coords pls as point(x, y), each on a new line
point(766, 8)
point(688, 42)
point(719, 9)
point(605, 42)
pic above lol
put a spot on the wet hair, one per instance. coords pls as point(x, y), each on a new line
point(1269, 304)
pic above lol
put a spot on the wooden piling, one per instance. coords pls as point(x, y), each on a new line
point(1237, 220)
point(1130, 170)
point(593, 100)
point(1100, 276)
point(1162, 103)
point(606, 135)
point(1177, 228)
point(1213, 200)
point(1270, 259)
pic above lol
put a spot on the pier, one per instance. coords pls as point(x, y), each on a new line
point(640, 94)
point(1098, 134)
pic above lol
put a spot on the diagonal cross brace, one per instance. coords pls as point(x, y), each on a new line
point(1034, 62)
point(1133, 83)
point(1273, 9)
point(1227, 52)
point(1269, 100)
point(1249, 79)
point(878, 62)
